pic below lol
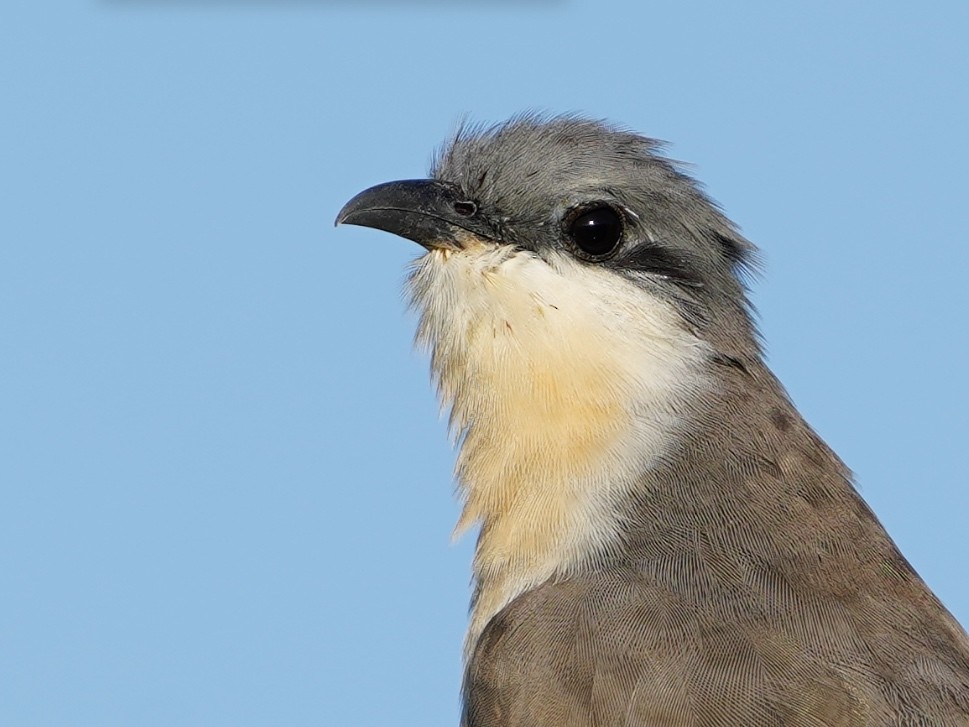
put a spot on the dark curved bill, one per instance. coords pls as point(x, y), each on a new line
point(431, 213)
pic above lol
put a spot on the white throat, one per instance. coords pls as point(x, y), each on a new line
point(565, 384)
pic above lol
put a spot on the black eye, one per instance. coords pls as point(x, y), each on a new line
point(596, 232)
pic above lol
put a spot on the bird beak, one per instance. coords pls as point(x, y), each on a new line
point(432, 213)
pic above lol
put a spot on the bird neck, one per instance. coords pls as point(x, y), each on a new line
point(595, 428)
point(565, 385)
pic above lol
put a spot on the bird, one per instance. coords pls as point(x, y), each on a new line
point(663, 540)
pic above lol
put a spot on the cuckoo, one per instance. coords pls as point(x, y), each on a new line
point(663, 540)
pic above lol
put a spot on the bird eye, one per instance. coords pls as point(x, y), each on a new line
point(596, 232)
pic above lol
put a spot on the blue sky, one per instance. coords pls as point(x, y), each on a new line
point(225, 493)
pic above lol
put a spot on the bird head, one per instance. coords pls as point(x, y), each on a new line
point(571, 193)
